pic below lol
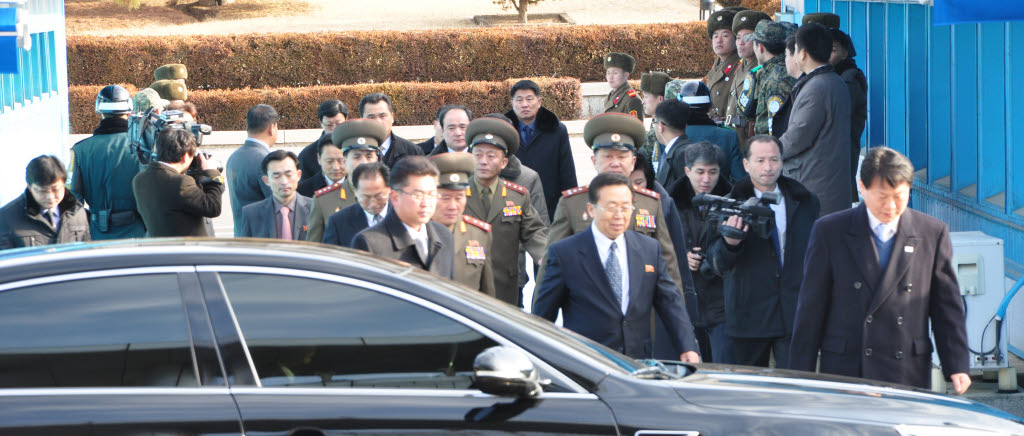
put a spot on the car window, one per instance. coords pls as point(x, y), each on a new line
point(98, 332)
point(307, 332)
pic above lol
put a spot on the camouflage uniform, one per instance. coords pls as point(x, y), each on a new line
point(773, 86)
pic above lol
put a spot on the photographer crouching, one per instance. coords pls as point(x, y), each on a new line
point(171, 202)
point(761, 260)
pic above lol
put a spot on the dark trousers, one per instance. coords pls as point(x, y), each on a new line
point(721, 345)
point(758, 351)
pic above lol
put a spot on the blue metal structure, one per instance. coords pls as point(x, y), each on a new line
point(950, 98)
point(34, 101)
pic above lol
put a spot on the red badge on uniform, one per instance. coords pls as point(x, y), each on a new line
point(633, 114)
point(728, 69)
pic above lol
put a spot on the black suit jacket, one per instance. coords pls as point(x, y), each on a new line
point(399, 148)
point(307, 187)
point(575, 281)
point(345, 224)
point(872, 323)
point(550, 155)
point(390, 239)
point(173, 204)
point(671, 170)
point(308, 162)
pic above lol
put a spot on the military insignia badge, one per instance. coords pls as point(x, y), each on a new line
point(453, 178)
point(644, 220)
point(616, 100)
point(616, 137)
point(633, 114)
point(648, 268)
point(361, 141)
point(489, 136)
point(774, 104)
point(728, 68)
point(475, 252)
point(511, 209)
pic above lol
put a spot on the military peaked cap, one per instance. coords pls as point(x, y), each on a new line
point(171, 72)
point(654, 82)
point(621, 60)
point(827, 19)
point(614, 130)
point(455, 168)
point(721, 19)
point(748, 20)
point(493, 131)
point(359, 134)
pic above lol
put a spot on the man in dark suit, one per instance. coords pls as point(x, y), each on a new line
point(283, 215)
point(245, 181)
point(408, 234)
point(607, 279)
point(671, 117)
point(875, 277)
point(170, 202)
point(330, 114)
point(378, 107)
point(330, 164)
point(543, 142)
point(372, 192)
point(453, 119)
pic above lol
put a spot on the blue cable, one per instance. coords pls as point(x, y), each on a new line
point(1001, 313)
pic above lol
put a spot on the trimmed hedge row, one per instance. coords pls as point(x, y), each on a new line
point(415, 103)
point(445, 55)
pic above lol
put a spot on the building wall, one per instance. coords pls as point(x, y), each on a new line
point(34, 103)
point(949, 97)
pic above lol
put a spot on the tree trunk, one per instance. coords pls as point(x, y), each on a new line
point(521, 7)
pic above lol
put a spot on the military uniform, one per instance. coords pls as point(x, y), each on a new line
point(357, 134)
point(652, 83)
point(769, 84)
point(734, 117)
point(513, 219)
point(102, 169)
point(623, 99)
point(721, 76)
point(326, 202)
point(472, 247)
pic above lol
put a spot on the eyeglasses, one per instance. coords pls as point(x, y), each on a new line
point(625, 210)
point(48, 189)
point(420, 195)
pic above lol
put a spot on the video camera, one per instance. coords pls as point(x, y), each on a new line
point(755, 212)
point(144, 128)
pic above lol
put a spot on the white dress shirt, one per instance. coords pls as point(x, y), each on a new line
point(780, 219)
point(419, 236)
point(603, 244)
point(383, 213)
point(888, 230)
point(385, 146)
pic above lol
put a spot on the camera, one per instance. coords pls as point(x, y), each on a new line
point(755, 212)
point(144, 128)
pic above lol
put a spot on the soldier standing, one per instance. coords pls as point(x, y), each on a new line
point(472, 236)
point(502, 204)
point(359, 141)
point(723, 42)
point(770, 83)
point(742, 25)
point(653, 86)
point(103, 167)
point(623, 99)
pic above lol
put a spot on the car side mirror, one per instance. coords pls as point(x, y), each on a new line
point(506, 371)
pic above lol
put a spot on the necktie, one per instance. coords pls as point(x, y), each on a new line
point(48, 214)
point(661, 162)
point(421, 247)
point(286, 223)
point(376, 220)
point(777, 244)
point(526, 134)
point(882, 232)
point(485, 197)
point(614, 271)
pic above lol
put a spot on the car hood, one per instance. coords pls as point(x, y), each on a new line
point(798, 393)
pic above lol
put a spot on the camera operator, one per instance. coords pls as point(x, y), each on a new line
point(172, 203)
point(703, 176)
point(762, 275)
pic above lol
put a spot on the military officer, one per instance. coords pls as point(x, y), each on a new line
point(622, 99)
point(359, 140)
point(472, 236)
point(743, 24)
point(720, 78)
point(611, 136)
point(770, 83)
point(502, 204)
point(653, 86)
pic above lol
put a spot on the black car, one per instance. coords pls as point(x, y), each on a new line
point(255, 337)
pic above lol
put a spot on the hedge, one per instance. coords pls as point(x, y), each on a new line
point(445, 55)
point(415, 103)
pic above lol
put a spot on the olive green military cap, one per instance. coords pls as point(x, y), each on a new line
point(827, 19)
point(654, 82)
point(493, 131)
point(771, 32)
point(721, 19)
point(748, 20)
point(615, 131)
point(171, 89)
point(358, 134)
point(621, 60)
point(455, 168)
point(147, 98)
point(171, 72)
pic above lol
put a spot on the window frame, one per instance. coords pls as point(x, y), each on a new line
point(540, 364)
point(187, 270)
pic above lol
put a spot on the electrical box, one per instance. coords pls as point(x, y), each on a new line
point(978, 264)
